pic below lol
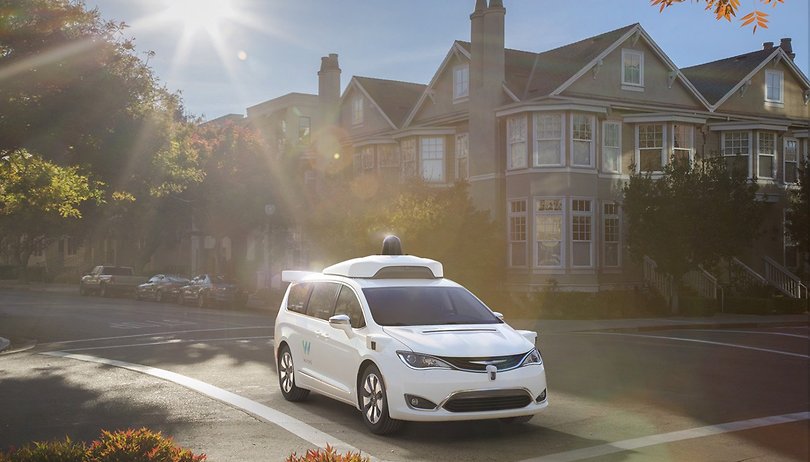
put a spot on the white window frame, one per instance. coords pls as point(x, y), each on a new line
point(750, 147)
point(690, 151)
point(408, 152)
point(563, 230)
point(511, 142)
point(626, 53)
point(761, 154)
point(785, 161)
point(428, 142)
point(612, 216)
point(519, 214)
point(605, 147)
point(388, 159)
point(663, 147)
point(589, 214)
point(591, 144)
point(537, 140)
point(463, 153)
point(357, 109)
point(461, 82)
point(780, 79)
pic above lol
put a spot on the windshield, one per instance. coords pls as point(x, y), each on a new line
point(117, 271)
point(426, 306)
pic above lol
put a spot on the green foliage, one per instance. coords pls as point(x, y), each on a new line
point(765, 306)
point(140, 445)
point(54, 451)
point(436, 223)
point(797, 219)
point(692, 215)
point(327, 455)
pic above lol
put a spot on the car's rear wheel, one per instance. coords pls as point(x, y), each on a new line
point(286, 377)
point(159, 296)
point(374, 403)
point(104, 291)
point(82, 290)
point(201, 300)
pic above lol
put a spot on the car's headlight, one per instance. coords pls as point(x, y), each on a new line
point(533, 357)
point(420, 361)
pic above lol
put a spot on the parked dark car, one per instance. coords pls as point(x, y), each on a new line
point(209, 290)
point(161, 287)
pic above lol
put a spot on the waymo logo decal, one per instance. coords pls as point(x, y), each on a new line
point(307, 346)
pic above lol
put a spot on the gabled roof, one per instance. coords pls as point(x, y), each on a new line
point(555, 67)
point(518, 66)
point(717, 80)
point(393, 98)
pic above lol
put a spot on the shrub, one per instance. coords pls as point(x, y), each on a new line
point(141, 445)
point(53, 451)
point(327, 455)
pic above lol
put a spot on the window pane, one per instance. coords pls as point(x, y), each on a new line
point(737, 164)
point(548, 253)
point(611, 159)
point(582, 153)
point(322, 301)
point(518, 253)
point(548, 153)
point(348, 304)
point(650, 160)
point(611, 254)
point(425, 306)
point(433, 159)
point(549, 227)
point(581, 254)
point(766, 166)
point(297, 300)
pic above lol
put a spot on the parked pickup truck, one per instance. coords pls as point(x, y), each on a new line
point(109, 280)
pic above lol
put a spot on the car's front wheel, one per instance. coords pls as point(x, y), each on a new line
point(159, 296)
point(286, 377)
point(374, 403)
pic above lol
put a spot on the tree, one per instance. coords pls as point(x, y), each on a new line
point(441, 224)
point(73, 90)
point(797, 219)
point(726, 9)
point(38, 202)
point(694, 214)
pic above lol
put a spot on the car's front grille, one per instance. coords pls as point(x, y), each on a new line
point(482, 401)
point(503, 363)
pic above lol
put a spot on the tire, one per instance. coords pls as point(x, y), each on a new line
point(159, 296)
point(374, 403)
point(82, 291)
point(103, 291)
point(521, 419)
point(286, 377)
point(201, 301)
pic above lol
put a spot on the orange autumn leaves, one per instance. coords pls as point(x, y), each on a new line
point(726, 9)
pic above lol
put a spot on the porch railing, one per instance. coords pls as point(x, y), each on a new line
point(742, 277)
point(705, 284)
point(785, 281)
point(662, 282)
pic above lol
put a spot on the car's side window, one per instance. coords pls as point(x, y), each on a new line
point(322, 301)
point(348, 304)
point(299, 295)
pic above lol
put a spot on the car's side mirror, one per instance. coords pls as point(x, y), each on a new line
point(342, 322)
point(498, 315)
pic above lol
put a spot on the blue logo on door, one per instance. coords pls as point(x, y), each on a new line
point(307, 346)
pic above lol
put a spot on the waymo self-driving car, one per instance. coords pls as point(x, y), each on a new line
point(391, 336)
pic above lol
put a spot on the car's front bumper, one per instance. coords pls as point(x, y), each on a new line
point(446, 388)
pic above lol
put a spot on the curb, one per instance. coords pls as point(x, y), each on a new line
point(731, 325)
point(4, 344)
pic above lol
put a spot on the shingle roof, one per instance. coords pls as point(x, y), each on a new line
point(530, 75)
point(395, 98)
point(715, 79)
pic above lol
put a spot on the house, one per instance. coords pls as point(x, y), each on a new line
point(548, 139)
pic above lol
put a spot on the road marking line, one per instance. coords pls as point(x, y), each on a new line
point(664, 438)
point(155, 334)
point(175, 341)
point(266, 413)
point(701, 341)
point(748, 332)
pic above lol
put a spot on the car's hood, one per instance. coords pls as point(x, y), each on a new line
point(472, 340)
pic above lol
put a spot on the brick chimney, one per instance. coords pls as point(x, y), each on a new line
point(767, 46)
point(329, 88)
point(787, 46)
point(487, 73)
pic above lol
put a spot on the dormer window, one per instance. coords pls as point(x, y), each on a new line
point(632, 70)
point(357, 110)
point(461, 81)
point(773, 86)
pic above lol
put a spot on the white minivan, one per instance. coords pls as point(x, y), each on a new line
point(391, 336)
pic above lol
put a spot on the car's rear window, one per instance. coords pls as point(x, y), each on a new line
point(426, 306)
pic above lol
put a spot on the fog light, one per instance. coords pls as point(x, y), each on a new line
point(417, 402)
point(542, 397)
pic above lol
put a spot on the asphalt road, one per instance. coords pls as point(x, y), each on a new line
point(206, 377)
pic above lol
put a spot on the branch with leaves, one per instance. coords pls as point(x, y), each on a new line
point(726, 9)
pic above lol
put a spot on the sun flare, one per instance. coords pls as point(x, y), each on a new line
point(200, 15)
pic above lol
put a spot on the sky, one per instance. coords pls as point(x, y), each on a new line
point(224, 56)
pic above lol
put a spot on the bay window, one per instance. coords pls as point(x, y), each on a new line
point(517, 233)
point(683, 142)
point(408, 156)
point(581, 233)
point(650, 142)
point(549, 233)
point(612, 147)
point(790, 154)
point(766, 155)
point(736, 150)
point(581, 140)
point(516, 139)
point(548, 144)
point(432, 152)
point(611, 232)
